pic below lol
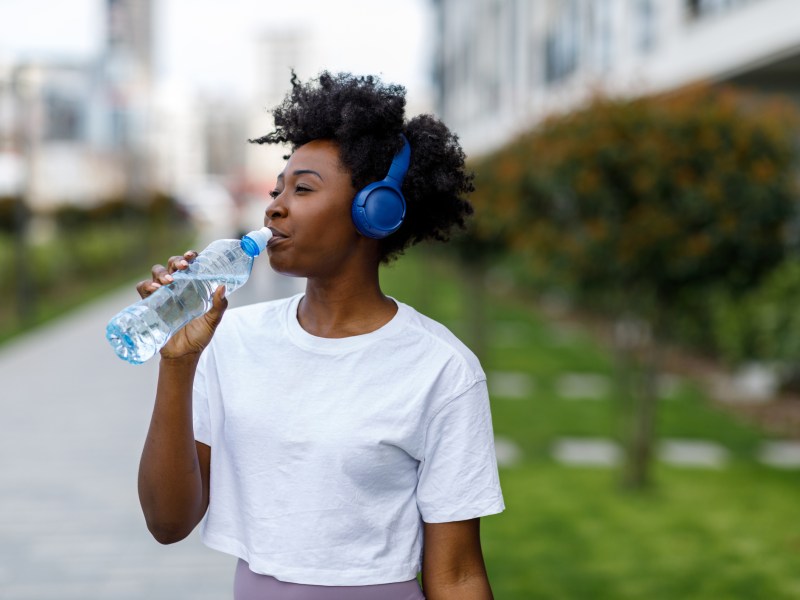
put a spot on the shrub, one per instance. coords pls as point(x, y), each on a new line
point(763, 324)
point(649, 199)
point(640, 206)
point(8, 213)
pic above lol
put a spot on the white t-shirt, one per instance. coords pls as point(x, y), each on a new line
point(327, 454)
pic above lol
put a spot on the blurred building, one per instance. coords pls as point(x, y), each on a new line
point(127, 81)
point(50, 145)
point(77, 131)
point(503, 65)
point(44, 129)
point(278, 52)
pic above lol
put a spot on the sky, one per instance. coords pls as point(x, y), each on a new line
point(208, 46)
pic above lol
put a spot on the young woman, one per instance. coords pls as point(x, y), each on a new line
point(338, 442)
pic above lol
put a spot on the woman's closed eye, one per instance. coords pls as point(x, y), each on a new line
point(298, 189)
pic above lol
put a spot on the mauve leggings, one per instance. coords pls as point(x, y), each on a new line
point(252, 586)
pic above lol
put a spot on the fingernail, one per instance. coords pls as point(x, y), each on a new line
point(169, 278)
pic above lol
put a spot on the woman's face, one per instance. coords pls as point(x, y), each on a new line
point(309, 215)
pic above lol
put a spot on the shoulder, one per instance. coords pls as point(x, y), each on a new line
point(442, 342)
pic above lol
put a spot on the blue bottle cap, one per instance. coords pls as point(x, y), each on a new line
point(254, 242)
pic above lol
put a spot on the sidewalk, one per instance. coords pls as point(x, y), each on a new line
point(73, 418)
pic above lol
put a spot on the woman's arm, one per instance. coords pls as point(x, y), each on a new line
point(174, 468)
point(452, 562)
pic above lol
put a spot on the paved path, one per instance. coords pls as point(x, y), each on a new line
point(73, 418)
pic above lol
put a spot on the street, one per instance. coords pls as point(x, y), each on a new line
point(73, 421)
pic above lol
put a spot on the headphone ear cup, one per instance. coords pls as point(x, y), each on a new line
point(378, 210)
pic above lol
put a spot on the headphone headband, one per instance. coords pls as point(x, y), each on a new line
point(399, 167)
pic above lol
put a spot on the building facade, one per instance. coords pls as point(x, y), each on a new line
point(77, 131)
point(504, 65)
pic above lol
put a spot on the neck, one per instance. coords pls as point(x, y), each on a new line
point(344, 307)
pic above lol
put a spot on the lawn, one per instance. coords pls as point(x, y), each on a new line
point(572, 532)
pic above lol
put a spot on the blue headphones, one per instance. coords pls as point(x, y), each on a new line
point(379, 209)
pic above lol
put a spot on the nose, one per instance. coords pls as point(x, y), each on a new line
point(275, 209)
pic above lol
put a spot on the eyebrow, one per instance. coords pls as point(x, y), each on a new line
point(303, 172)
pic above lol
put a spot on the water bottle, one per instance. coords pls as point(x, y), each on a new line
point(139, 331)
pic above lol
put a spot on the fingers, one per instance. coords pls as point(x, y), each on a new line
point(178, 263)
point(161, 275)
point(218, 303)
point(147, 287)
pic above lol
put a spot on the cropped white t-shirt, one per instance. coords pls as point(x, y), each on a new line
point(328, 454)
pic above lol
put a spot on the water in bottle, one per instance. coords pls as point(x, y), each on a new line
point(139, 331)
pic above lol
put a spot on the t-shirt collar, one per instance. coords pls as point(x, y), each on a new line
point(304, 339)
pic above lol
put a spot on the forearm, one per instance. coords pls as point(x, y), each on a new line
point(170, 478)
point(475, 587)
point(452, 562)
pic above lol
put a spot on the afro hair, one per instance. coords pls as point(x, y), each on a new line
point(365, 118)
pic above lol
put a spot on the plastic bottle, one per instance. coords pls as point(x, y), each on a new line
point(139, 331)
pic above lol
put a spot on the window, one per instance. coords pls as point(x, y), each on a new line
point(602, 32)
point(64, 118)
point(562, 44)
point(646, 24)
point(697, 9)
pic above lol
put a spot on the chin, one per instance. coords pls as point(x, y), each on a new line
point(280, 266)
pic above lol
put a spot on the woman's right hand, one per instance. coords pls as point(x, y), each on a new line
point(195, 335)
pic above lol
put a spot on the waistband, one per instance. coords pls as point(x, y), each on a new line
point(254, 586)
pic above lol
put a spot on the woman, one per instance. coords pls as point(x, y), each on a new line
point(339, 441)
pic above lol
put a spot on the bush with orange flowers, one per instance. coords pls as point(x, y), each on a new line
point(647, 208)
point(652, 200)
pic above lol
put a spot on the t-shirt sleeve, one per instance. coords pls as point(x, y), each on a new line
point(458, 476)
point(201, 415)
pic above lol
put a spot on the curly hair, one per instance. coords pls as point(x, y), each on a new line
point(365, 118)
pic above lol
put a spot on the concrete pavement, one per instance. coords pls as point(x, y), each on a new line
point(73, 418)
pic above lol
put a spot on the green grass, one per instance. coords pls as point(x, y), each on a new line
point(573, 532)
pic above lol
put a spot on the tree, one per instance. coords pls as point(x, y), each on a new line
point(639, 204)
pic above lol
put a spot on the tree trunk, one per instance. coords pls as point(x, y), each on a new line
point(637, 372)
point(473, 275)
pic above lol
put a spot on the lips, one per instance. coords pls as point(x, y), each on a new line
point(277, 236)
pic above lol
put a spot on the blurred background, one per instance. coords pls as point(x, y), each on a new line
point(628, 281)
